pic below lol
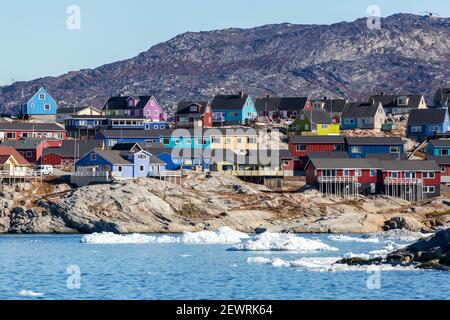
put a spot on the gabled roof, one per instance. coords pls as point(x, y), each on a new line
point(333, 105)
point(281, 104)
point(121, 102)
point(328, 155)
point(318, 116)
point(112, 157)
point(229, 102)
point(31, 126)
point(74, 148)
point(24, 144)
point(6, 151)
point(184, 107)
point(360, 110)
point(345, 163)
point(73, 110)
point(31, 93)
point(440, 143)
point(410, 165)
point(374, 141)
point(387, 156)
point(126, 146)
point(390, 101)
point(317, 140)
point(441, 160)
point(427, 117)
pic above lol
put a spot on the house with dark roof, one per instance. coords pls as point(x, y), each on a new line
point(315, 122)
point(444, 164)
point(32, 148)
point(426, 123)
point(399, 104)
point(146, 107)
point(301, 146)
point(439, 147)
point(281, 108)
point(363, 115)
point(19, 130)
point(334, 107)
point(442, 97)
point(193, 114)
point(69, 152)
point(38, 103)
point(362, 147)
point(64, 113)
point(237, 109)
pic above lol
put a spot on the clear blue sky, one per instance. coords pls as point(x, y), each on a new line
point(35, 41)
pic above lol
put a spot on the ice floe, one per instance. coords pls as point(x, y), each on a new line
point(401, 235)
point(28, 293)
point(282, 242)
point(344, 238)
point(223, 235)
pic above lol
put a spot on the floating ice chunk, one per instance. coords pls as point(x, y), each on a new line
point(282, 242)
point(28, 293)
point(352, 255)
point(343, 238)
point(259, 260)
point(111, 238)
point(222, 235)
point(401, 235)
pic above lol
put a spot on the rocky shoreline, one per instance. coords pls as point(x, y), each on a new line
point(204, 202)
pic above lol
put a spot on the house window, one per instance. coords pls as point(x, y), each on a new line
point(156, 113)
point(329, 173)
point(442, 168)
point(252, 140)
point(46, 106)
point(358, 173)
point(42, 96)
point(301, 147)
point(239, 140)
point(29, 154)
point(142, 157)
point(227, 141)
point(141, 168)
point(394, 174)
point(33, 105)
point(120, 168)
point(285, 163)
point(216, 140)
point(148, 113)
point(443, 152)
point(435, 128)
point(93, 156)
point(234, 114)
point(25, 135)
point(10, 135)
point(346, 173)
point(429, 189)
point(356, 149)
point(302, 117)
point(193, 108)
point(373, 173)
point(395, 149)
point(201, 141)
point(428, 175)
point(416, 129)
point(349, 121)
point(166, 140)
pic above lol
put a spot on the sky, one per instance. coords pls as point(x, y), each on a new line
point(46, 38)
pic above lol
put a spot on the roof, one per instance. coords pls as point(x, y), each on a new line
point(345, 163)
point(410, 165)
point(125, 146)
point(31, 126)
point(442, 95)
point(441, 160)
point(229, 102)
point(24, 144)
point(155, 160)
point(6, 151)
point(74, 148)
point(360, 110)
point(121, 102)
point(281, 104)
point(440, 143)
point(72, 110)
point(387, 156)
point(331, 155)
point(374, 141)
point(317, 140)
point(333, 105)
point(390, 101)
point(184, 107)
point(427, 116)
point(318, 116)
point(112, 157)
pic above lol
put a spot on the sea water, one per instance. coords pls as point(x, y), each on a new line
point(209, 265)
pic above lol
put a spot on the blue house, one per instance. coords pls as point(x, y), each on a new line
point(426, 123)
point(233, 109)
point(183, 158)
point(113, 137)
point(368, 147)
point(439, 148)
point(39, 103)
point(120, 164)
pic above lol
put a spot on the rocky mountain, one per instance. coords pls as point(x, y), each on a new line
point(409, 54)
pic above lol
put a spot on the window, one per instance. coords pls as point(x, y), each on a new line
point(177, 141)
point(285, 163)
point(29, 154)
point(329, 173)
point(201, 141)
point(93, 156)
point(25, 134)
point(356, 149)
point(148, 113)
point(228, 141)
point(358, 173)
point(346, 173)
point(301, 147)
point(252, 140)
point(239, 140)
point(429, 189)
point(46, 106)
point(33, 105)
point(141, 168)
point(216, 140)
point(156, 113)
point(349, 121)
point(428, 175)
point(443, 152)
point(193, 108)
point(42, 96)
point(142, 157)
point(435, 128)
point(234, 114)
point(416, 129)
point(442, 168)
point(10, 135)
point(394, 174)
point(166, 140)
point(395, 149)
point(120, 168)
point(373, 173)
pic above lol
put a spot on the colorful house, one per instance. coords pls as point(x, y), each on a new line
point(31, 148)
point(399, 104)
point(315, 122)
point(17, 131)
point(68, 152)
point(12, 163)
point(193, 114)
point(281, 108)
point(40, 102)
point(365, 147)
point(439, 148)
point(426, 123)
point(442, 97)
point(65, 113)
point(444, 164)
point(233, 109)
point(301, 146)
point(134, 106)
point(334, 107)
point(366, 115)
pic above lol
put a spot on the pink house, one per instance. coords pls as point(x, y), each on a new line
point(134, 107)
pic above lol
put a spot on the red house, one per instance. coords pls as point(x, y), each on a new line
point(31, 148)
point(17, 131)
point(69, 151)
point(444, 163)
point(193, 114)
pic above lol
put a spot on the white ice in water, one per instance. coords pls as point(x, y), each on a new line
point(344, 238)
point(282, 242)
point(222, 235)
point(29, 293)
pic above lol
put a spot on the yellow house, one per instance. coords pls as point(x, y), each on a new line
point(238, 140)
point(314, 122)
point(12, 163)
point(64, 113)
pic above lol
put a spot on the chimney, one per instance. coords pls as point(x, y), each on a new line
point(269, 96)
point(325, 98)
point(241, 94)
point(382, 93)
